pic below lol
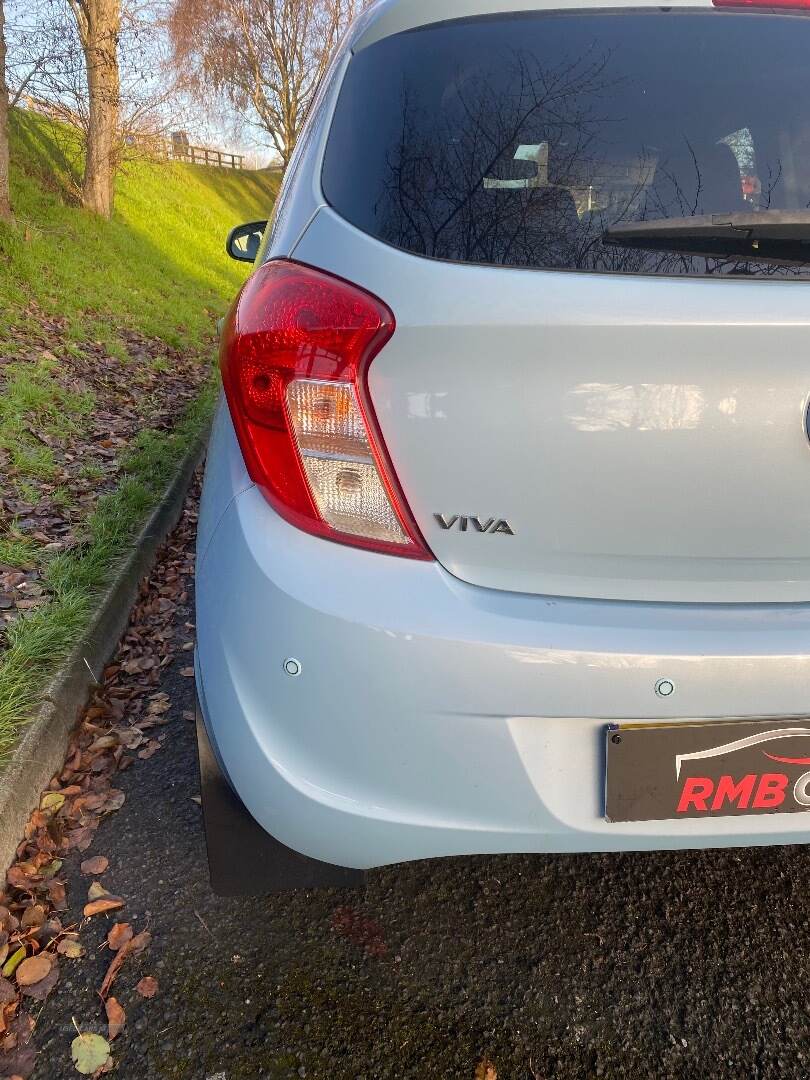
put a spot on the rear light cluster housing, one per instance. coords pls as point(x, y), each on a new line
point(295, 354)
point(773, 5)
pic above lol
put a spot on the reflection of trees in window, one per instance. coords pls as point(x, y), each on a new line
point(522, 164)
point(442, 194)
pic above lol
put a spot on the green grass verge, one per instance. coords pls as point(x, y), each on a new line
point(39, 641)
point(157, 268)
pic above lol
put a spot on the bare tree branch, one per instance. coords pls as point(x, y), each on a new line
point(265, 58)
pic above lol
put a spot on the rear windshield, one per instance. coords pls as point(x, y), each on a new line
point(519, 140)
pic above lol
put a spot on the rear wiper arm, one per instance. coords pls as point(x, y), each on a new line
point(766, 225)
point(780, 236)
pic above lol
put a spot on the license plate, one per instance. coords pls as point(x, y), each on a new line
point(722, 769)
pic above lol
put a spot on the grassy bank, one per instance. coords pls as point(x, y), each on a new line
point(107, 336)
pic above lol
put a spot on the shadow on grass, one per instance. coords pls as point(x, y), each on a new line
point(158, 266)
point(48, 150)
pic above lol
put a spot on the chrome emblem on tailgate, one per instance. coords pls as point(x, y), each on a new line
point(493, 526)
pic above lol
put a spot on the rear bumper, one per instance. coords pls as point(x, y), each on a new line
point(433, 718)
point(244, 859)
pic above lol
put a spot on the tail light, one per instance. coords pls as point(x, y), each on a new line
point(767, 4)
point(295, 355)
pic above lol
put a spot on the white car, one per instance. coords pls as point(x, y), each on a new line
point(505, 538)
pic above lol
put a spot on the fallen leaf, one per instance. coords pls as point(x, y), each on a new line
point(119, 935)
point(147, 987)
point(486, 1071)
point(101, 907)
point(136, 946)
point(116, 1017)
point(70, 948)
point(90, 1053)
point(141, 941)
point(81, 838)
point(116, 964)
point(13, 962)
point(33, 916)
point(114, 801)
point(49, 931)
point(52, 801)
point(40, 990)
point(97, 865)
point(96, 891)
point(7, 992)
point(151, 748)
point(187, 672)
point(18, 878)
point(131, 737)
point(57, 895)
point(103, 742)
point(20, 1056)
point(33, 969)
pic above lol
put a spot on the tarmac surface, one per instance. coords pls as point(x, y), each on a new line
point(693, 965)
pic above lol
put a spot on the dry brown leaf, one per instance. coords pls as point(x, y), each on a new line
point(114, 801)
point(19, 879)
point(141, 941)
point(33, 916)
point(116, 1017)
point(101, 907)
point(57, 895)
point(116, 964)
point(97, 891)
point(34, 969)
point(81, 838)
point(52, 801)
point(485, 1070)
point(131, 737)
point(119, 935)
point(40, 990)
point(70, 948)
point(95, 866)
point(103, 742)
point(147, 987)
point(151, 748)
point(187, 672)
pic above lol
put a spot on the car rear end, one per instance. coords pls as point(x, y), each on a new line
point(504, 543)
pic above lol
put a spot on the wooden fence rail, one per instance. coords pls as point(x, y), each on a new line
point(201, 155)
point(176, 148)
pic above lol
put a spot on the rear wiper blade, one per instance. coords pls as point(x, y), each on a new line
point(766, 225)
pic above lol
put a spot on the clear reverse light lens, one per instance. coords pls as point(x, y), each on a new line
point(338, 461)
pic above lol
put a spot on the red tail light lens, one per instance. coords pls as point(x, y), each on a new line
point(773, 5)
point(295, 355)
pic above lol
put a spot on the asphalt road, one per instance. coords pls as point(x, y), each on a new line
point(673, 965)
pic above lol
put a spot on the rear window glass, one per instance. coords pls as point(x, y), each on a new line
point(519, 140)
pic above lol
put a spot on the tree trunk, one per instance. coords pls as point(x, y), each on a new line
point(5, 201)
point(99, 24)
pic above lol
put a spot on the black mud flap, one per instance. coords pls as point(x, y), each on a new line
point(243, 859)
